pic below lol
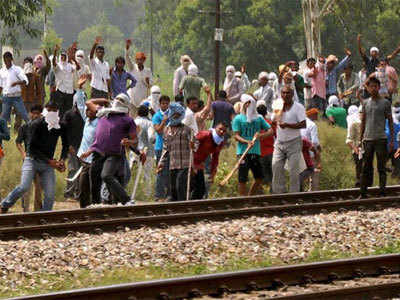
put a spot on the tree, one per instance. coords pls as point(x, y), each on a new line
point(312, 18)
point(17, 16)
point(50, 40)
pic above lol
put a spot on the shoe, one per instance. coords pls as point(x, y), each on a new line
point(4, 210)
point(130, 203)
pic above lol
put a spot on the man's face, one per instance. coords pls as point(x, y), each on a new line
point(382, 64)
point(186, 63)
point(330, 65)
point(263, 81)
point(220, 130)
point(311, 64)
point(35, 114)
point(140, 61)
point(246, 105)
point(374, 54)
point(287, 95)
point(194, 105)
point(120, 65)
point(164, 105)
point(90, 114)
point(294, 67)
point(8, 61)
point(63, 57)
point(80, 56)
point(373, 89)
point(313, 117)
point(348, 71)
point(288, 79)
point(100, 53)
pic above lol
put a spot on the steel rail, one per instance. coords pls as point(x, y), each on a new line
point(104, 213)
point(163, 221)
point(243, 281)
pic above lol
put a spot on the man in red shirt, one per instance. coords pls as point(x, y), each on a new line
point(307, 173)
point(267, 146)
point(210, 142)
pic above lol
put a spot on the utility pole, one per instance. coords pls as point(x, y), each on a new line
point(219, 36)
point(149, 17)
point(45, 19)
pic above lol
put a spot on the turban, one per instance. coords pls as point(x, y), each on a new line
point(263, 75)
point(332, 58)
point(261, 103)
point(193, 70)
point(312, 111)
point(140, 55)
point(251, 112)
point(373, 49)
point(174, 109)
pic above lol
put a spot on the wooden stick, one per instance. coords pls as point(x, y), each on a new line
point(225, 181)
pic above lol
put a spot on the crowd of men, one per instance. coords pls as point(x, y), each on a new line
point(127, 119)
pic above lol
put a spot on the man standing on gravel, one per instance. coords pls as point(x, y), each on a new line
point(375, 110)
point(288, 143)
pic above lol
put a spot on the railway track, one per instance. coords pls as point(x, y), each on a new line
point(218, 285)
point(98, 220)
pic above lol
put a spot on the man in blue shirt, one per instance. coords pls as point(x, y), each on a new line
point(246, 126)
point(334, 69)
point(160, 121)
point(119, 78)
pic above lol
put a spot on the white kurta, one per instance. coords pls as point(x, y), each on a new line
point(179, 74)
point(141, 91)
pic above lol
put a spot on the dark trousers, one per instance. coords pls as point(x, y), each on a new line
point(371, 147)
point(197, 185)
point(178, 179)
point(95, 93)
point(64, 102)
point(395, 164)
point(106, 168)
point(358, 167)
point(84, 186)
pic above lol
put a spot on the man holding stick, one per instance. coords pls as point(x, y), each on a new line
point(246, 127)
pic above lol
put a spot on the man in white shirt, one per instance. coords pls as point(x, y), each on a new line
point(311, 134)
point(288, 143)
point(143, 76)
point(101, 80)
point(84, 68)
point(264, 92)
point(64, 72)
point(181, 72)
point(12, 78)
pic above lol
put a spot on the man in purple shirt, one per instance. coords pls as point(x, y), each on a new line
point(115, 131)
point(223, 112)
point(119, 78)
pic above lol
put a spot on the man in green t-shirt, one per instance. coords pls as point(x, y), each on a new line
point(245, 126)
point(336, 115)
point(192, 84)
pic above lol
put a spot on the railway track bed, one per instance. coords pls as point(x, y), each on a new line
point(99, 220)
point(373, 277)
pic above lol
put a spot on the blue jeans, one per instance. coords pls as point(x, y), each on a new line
point(31, 167)
point(16, 102)
point(162, 180)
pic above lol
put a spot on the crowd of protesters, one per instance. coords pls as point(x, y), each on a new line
point(127, 119)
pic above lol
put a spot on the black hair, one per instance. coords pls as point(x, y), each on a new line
point(120, 59)
point(222, 94)
point(36, 107)
point(164, 98)
point(190, 99)
point(311, 59)
point(7, 54)
point(28, 58)
point(51, 104)
point(179, 98)
point(262, 110)
point(143, 111)
point(222, 123)
point(100, 48)
point(350, 65)
point(374, 80)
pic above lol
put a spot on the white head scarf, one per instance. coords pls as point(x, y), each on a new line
point(396, 114)
point(120, 105)
point(333, 101)
point(272, 77)
point(79, 59)
point(251, 112)
point(230, 75)
point(373, 49)
point(155, 97)
point(52, 119)
point(352, 115)
point(193, 70)
point(263, 75)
